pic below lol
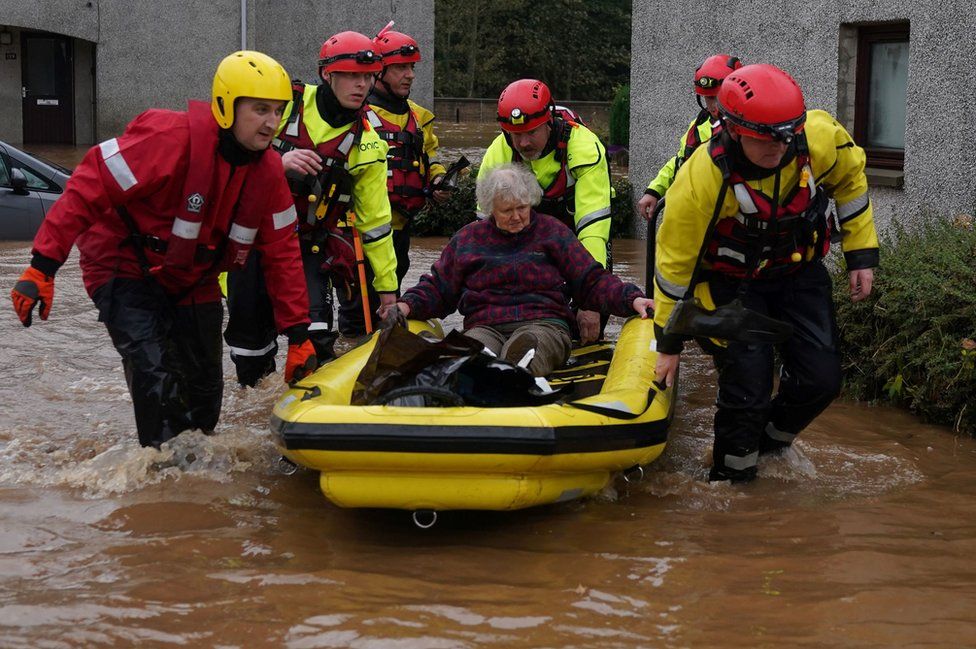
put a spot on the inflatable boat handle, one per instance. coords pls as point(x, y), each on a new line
point(634, 474)
point(424, 518)
point(286, 466)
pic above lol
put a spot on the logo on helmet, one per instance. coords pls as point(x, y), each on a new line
point(194, 203)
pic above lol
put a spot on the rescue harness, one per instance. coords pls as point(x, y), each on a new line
point(765, 239)
point(332, 187)
point(408, 167)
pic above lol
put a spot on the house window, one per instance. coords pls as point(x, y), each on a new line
point(880, 93)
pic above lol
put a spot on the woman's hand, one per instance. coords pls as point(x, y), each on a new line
point(386, 310)
point(589, 326)
point(644, 306)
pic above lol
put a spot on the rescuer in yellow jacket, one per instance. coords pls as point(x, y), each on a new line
point(748, 219)
point(413, 168)
point(708, 79)
point(336, 164)
point(570, 163)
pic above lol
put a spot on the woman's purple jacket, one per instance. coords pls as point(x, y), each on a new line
point(493, 277)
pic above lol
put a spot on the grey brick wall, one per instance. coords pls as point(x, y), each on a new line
point(804, 38)
point(159, 54)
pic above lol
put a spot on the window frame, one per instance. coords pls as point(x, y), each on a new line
point(868, 35)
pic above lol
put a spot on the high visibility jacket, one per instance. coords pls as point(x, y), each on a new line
point(146, 170)
point(837, 166)
point(366, 169)
point(582, 176)
point(412, 159)
point(699, 131)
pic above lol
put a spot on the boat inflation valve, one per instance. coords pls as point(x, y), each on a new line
point(634, 474)
point(425, 518)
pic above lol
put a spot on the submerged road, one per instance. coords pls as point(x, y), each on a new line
point(862, 537)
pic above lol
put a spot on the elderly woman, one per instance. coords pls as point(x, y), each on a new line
point(511, 276)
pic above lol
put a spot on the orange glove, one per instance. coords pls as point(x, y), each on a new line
point(301, 361)
point(32, 287)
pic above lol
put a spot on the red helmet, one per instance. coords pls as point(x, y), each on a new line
point(709, 75)
point(349, 52)
point(762, 101)
point(396, 47)
point(524, 105)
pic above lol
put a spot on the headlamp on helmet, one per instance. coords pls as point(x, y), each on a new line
point(524, 105)
point(349, 52)
point(710, 74)
point(396, 47)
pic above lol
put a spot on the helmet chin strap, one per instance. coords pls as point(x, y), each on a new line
point(387, 88)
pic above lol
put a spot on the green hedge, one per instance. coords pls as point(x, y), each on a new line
point(912, 342)
point(620, 116)
point(444, 220)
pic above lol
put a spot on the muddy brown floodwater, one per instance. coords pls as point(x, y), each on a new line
point(863, 537)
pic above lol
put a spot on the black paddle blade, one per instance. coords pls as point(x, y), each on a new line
point(733, 322)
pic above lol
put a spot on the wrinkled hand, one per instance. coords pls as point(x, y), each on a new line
point(644, 307)
point(589, 326)
point(32, 287)
point(440, 196)
point(387, 301)
point(303, 161)
point(646, 206)
point(392, 316)
point(861, 281)
point(396, 311)
point(666, 368)
point(301, 361)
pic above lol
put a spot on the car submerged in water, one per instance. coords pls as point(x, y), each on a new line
point(29, 186)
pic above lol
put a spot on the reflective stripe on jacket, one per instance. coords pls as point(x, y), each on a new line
point(412, 159)
point(145, 169)
point(838, 169)
point(366, 169)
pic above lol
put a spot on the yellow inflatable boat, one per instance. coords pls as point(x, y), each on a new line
point(443, 458)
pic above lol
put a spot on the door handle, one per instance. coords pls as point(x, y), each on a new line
point(23, 92)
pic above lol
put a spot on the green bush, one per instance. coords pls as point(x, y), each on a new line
point(912, 342)
point(622, 212)
point(620, 116)
point(444, 220)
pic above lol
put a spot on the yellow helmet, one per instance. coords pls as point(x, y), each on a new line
point(246, 74)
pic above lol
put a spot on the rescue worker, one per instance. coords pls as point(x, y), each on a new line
point(752, 208)
point(708, 79)
point(335, 162)
point(570, 163)
point(156, 213)
point(413, 168)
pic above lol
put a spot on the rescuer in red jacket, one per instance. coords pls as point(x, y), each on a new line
point(156, 213)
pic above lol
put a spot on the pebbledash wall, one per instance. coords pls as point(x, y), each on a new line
point(131, 55)
point(810, 40)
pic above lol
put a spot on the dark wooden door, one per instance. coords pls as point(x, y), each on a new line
point(48, 89)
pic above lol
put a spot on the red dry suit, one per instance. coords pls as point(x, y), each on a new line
point(165, 170)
